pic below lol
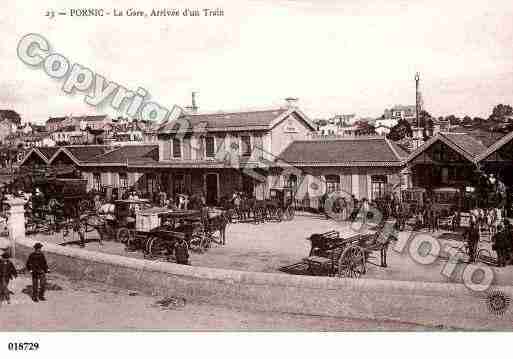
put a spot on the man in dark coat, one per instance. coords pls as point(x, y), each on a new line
point(7, 272)
point(36, 264)
point(472, 236)
point(499, 245)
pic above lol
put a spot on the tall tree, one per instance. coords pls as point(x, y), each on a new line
point(10, 115)
point(501, 112)
point(400, 131)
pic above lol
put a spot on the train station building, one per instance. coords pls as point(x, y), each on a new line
point(250, 151)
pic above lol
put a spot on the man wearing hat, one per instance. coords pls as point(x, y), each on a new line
point(7, 272)
point(36, 263)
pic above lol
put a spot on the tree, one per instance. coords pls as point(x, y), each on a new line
point(400, 131)
point(453, 120)
point(10, 115)
point(478, 121)
point(467, 121)
point(501, 113)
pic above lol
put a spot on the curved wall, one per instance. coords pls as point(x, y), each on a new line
point(450, 305)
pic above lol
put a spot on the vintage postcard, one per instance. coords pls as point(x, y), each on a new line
point(255, 166)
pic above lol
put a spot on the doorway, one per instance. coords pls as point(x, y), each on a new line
point(211, 186)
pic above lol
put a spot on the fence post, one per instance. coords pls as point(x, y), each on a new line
point(16, 221)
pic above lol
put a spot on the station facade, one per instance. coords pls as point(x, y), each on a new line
point(251, 152)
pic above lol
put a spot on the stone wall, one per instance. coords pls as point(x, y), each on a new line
point(450, 305)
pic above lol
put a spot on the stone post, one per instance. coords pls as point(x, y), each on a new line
point(16, 221)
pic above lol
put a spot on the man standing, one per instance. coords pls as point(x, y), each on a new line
point(499, 243)
point(472, 236)
point(36, 264)
point(7, 272)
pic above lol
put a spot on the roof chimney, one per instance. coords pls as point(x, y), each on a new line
point(193, 108)
point(291, 102)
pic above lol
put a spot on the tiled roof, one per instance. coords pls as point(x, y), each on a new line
point(48, 152)
point(91, 118)
point(504, 140)
point(401, 152)
point(487, 138)
point(227, 120)
point(130, 154)
point(86, 153)
point(368, 151)
point(55, 119)
point(466, 142)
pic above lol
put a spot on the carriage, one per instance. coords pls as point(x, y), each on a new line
point(55, 204)
point(200, 228)
point(413, 199)
point(446, 200)
point(333, 255)
point(283, 201)
point(155, 230)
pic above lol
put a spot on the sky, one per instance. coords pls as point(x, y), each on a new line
point(337, 57)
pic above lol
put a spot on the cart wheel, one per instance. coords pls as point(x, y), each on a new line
point(289, 214)
point(352, 262)
point(123, 235)
point(279, 214)
point(156, 246)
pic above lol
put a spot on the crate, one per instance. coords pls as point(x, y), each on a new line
point(145, 222)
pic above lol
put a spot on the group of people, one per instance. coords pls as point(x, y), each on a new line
point(38, 267)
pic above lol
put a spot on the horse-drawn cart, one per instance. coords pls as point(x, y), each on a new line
point(155, 230)
point(333, 255)
point(55, 204)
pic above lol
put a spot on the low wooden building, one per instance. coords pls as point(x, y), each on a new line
point(447, 160)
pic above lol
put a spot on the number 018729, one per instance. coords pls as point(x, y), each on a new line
point(13, 346)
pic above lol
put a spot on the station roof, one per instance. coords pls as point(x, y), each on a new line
point(232, 121)
point(464, 144)
point(345, 152)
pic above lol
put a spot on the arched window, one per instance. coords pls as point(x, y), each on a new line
point(332, 183)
